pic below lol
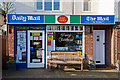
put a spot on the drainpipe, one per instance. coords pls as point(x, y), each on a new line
point(7, 43)
point(73, 8)
point(117, 45)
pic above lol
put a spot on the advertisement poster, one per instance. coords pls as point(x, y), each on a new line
point(50, 36)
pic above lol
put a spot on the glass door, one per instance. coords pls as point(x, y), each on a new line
point(35, 49)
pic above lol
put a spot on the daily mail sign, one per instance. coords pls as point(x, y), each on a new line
point(59, 19)
point(25, 18)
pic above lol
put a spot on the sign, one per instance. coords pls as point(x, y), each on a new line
point(35, 34)
point(59, 19)
point(66, 37)
point(62, 19)
point(97, 19)
point(25, 18)
point(49, 42)
point(50, 36)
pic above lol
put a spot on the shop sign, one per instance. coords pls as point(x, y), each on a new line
point(35, 34)
point(66, 37)
point(24, 18)
point(62, 19)
point(97, 19)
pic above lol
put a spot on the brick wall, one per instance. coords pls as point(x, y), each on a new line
point(117, 43)
point(88, 42)
point(11, 40)
point(109, 43)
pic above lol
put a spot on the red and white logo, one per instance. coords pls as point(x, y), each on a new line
point(62, 19)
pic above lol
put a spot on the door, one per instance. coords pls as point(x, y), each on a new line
point(99, 46)
point(35, 49)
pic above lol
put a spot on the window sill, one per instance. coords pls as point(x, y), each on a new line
point(86, 11)
point(59, 11)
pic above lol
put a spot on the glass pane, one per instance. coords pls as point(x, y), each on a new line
point(62, 27)
point(72, 27)
point(58, 27)
point(48, 5)
point(53, 27)
point(76, 28)
point(86, 6)
point(56, 4)
point(21, 47)
point(35, 47)
point(48, 27)
point(39, 5)
point(81, 27)
point(68, 41)
point(67, 27)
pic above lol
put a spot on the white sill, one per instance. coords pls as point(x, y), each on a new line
point(55, 11)
point(86, 11)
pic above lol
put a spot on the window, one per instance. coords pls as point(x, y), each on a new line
point(21, 46)
point(87, 5)
point(65, 28)
point(48, 5)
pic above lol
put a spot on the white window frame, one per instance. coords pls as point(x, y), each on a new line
point(48, 10)
point(65, 28)
point(90, 6)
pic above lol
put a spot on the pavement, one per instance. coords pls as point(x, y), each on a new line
point(58, 73)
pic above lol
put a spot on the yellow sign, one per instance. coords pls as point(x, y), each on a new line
point(35, 34)
point(50, 36)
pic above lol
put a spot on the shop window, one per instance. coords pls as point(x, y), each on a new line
point(62, 27)
point(87, 5)
point(65, 41)
point(48, 5)
point(21, 47)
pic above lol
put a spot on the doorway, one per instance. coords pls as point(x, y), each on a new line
point(99, 47)
point(35, 49)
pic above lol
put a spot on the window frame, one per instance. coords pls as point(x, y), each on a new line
point(88, 4)
point(43, 9)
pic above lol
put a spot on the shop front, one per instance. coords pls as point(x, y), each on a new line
point(34, 36)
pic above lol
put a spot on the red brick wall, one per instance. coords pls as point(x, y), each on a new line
point(4, 53)
point(117, 44)
point(11, 41)
point(109, 42)
point(88, 43)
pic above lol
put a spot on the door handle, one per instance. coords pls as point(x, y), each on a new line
point(42, 49)
point(103, 43)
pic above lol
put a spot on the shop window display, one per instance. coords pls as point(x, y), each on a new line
point(21, 47)
point(65, 38)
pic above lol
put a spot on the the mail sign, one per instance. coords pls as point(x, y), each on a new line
point(97, 19)
point(25, 18)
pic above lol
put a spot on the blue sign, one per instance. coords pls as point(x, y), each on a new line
point(97, 19)
point(25, 18)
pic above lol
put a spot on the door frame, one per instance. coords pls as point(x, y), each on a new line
point(28, 52)
point(105, 45)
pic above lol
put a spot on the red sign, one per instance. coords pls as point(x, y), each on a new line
point(49, 42)
point(62, 19)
